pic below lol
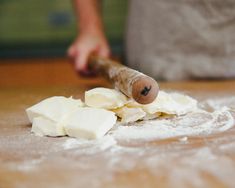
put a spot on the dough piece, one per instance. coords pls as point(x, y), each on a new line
point(131, 103)
point(54, 108)
point(89, 123)
point(171, 103)
point(130, 114)
point(45, 127)
point(152, 116)
point(104, 98)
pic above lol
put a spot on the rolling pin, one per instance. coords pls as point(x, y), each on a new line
point(142, 88)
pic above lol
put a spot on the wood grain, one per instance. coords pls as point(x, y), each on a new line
point(30, 161)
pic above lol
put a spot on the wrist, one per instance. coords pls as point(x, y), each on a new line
point(91, 29)
point(91, 25)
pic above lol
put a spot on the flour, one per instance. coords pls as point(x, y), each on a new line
point(218, 103)
point(100, 144)
point(136, 150)
point(195, 123)
point(198, 122)
point(202, 160)
point(24, 166)
point(128, 150)
point(183, 139)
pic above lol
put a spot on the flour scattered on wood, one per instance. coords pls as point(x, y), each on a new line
point(100, 144)
point(120, 152)
point(193, 124)
point(196, 123)
point(219, 103)
point(61, 116)
point(187, 167)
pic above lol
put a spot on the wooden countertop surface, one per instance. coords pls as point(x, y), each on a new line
point(30, 161)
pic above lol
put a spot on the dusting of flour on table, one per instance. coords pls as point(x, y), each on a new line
point(169, 115)
point(61, 116)
point(198, 122)
point(101, 144)
point(187, 167)
point(218, 103)
point(195, 123)
point(94, 163)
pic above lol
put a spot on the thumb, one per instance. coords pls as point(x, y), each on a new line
point(81, 60)
point(71, 52)
point(104, 51)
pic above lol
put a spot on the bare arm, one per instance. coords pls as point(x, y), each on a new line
point(91, 38)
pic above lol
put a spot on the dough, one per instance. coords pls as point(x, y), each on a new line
point(53, 108)
point(104, 98)
point(59, 116)
point(89, 123)
point(42, 126)
point(171, 103)
point(48, 116)
point(152, 116)
point(130, 114)
point(132, 104)
point(168, 103)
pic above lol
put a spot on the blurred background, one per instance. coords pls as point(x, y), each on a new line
point(42, 28)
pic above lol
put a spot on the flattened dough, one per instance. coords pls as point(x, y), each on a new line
point(48, 116)
point(89, 123)
point(53, 108)
point(42, 126)
point(104, 98)
point(171, 103)
point(128, 115)
point(59, 116)
point(168, 103)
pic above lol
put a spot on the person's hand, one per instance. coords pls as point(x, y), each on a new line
point(85, 45)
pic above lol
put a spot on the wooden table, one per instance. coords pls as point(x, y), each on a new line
point(30, 161)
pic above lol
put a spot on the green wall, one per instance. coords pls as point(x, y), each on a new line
point(47, 27)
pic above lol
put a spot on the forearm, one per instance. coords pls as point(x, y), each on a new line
point(88, 14)
point(91, 38)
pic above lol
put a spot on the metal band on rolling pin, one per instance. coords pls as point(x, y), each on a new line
point(132, 83)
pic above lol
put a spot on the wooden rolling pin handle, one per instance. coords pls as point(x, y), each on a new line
point(142, 88)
